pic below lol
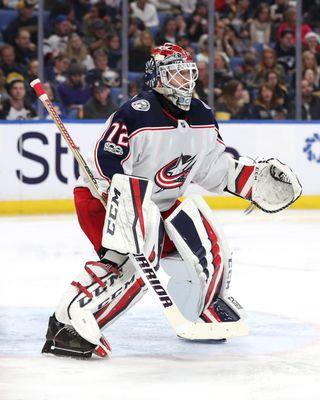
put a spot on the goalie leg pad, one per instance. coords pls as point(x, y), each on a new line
point(100, 295)
point(197, 243)
point(217, 305)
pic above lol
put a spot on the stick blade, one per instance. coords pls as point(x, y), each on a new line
point(213, 331)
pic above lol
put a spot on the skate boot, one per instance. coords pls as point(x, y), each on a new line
point(63, 340)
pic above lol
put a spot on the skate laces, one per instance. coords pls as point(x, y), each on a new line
point(71, 330)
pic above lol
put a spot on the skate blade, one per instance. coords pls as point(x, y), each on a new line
point(204, 341)
point(50, 349)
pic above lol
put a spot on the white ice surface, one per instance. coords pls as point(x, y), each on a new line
point(276, 278)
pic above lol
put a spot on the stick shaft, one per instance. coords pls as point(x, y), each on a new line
point(43, 97)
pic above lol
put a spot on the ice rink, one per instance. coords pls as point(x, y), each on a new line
point(276, 278)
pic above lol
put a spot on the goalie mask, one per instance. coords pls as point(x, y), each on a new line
point(171, 72)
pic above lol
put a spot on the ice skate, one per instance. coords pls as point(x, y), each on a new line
point(63, 340)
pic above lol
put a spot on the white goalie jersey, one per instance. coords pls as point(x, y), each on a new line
point(144, 140)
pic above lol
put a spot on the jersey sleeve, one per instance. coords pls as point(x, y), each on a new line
point(112, 148)
point(213, 172)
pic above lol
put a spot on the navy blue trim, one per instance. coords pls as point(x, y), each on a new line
point(188, 232)
point(102, 121)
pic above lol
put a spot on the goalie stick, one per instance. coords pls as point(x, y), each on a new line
point(183, 327)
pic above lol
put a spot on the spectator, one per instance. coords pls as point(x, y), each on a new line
point(242, 15)
point(268, 62)
point(9, 3)
point(97, 39)
point(16, 107)
point(25, 19)
point(234, 44)
point(57, 42)
point(201, 89)
point(311, 13)
point(168, 33)
point(219, 40)
point(191, 51)
point(181, 25)
point(102, 70)
point(279, 90)
point(309, 62)
point(78, 52)
point(88, 19)
point(222, 71)
point(56, 104)
point(146, 12)
point(246, 72)
point(233, 104)
point(169, 6)
point(74, 92)
point(140, 53)
point(183, 41)
point(260, 27)
point(198, 24)
point(135, 28)
point(312, 41)
point(133, 89)
point(310, 103)
point(285, 50)
point(289, 23)
point(228, 11)
point(99, 106)
point(266, 105)
point(9, 64)
point(114, 52)
point(33, 73)
point(277, 10)
point(203, 54)
point(188, 6)
point(57, 73)
point(311, 78)
point(3, 92)
point(24, 48)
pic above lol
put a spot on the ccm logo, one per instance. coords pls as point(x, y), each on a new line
point(113, 212)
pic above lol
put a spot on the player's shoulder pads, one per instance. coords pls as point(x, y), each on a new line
point(201, 114)
point(142, 111)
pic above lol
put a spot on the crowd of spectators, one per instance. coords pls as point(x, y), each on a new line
point(254, 62)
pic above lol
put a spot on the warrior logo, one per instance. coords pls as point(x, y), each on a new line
point(174, 174)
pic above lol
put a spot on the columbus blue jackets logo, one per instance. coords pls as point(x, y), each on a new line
point(174, 174)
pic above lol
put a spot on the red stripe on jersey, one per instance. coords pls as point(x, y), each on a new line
point(202, 126)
